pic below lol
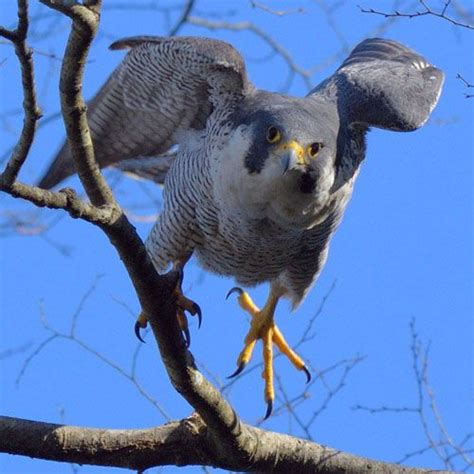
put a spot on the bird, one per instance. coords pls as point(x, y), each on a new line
point(255, 183)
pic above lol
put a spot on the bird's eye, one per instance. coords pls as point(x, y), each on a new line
point(314, 149)
point(273, 135)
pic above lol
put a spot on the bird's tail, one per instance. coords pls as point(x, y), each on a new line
point(152, 168)
point(59, 169)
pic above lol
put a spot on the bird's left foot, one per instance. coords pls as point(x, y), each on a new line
point(182, 304)
point(263, 327)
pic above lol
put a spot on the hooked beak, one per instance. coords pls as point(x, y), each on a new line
point(292, 156)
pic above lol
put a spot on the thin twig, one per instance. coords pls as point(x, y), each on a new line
point(428, 11)
point(267, 9)
point(71, 336)
point(467, 84)
point(249, 26)
point(426, 410)
point(5, 354)
point(183, 19)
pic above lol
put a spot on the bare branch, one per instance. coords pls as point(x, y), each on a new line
point(85, 22)
point(177, 443)
point(427, 11)
point(31, 109)
point(133, 449)
point(65, 199)
point(183, 19)
point(275, 12)
point(274, 45)
point(5, 354)
point(385, 409)
point(55, 335)
point(72, 72)
point(437, 437)
point(36, 51)
point(467, 84)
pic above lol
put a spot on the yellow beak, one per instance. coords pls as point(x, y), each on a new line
point(293, 155)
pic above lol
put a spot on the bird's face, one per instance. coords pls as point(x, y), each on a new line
point(280, 163)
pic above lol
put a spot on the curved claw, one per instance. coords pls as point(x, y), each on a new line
point(180, 277)
point(238, 371)
point(269, 409)
point(198, 312)
point(307, 372)
point(187, 337)
point(236, 289)
point(137, 332)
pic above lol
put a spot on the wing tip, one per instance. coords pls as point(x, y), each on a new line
point(131, 41)
point(59, 169)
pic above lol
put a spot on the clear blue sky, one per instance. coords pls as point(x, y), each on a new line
point(404, 250)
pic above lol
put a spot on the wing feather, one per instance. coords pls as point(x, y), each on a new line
point(162, 85)
point(384, 84)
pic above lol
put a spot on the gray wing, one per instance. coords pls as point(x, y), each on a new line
point(163, 84)
point(384, 84)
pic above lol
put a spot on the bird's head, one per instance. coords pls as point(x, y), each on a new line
point(280, 159)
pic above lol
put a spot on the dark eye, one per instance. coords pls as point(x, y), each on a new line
point(314, 149)
point(273, 135)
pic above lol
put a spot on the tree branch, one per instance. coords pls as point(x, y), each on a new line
point(31, 109)
point(180, 443)
point(85, 21)
point(177, 443)
point(65, 199)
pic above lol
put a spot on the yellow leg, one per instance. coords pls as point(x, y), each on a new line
point(263, 327)
point(182, 304)
point(268, 370)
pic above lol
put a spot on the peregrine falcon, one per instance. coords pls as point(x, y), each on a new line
point(260, 180)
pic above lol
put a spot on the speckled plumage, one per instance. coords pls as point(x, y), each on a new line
point(229, 196)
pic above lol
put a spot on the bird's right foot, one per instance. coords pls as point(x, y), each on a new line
point(263, 327)
point(183, 305)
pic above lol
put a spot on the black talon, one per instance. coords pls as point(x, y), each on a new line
point(239, 369)
point(137, 332)
point(187, 337)
point(198, 312)
point(269, 409)
point(180, 277)
point(236, 289)
point(307, 372)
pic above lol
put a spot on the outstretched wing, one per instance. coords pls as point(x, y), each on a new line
point(384, 84)
point(162, 85)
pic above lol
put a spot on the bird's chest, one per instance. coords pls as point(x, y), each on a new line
point(251, 251)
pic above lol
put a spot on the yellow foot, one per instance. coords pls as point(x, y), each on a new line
point(182, 304)
point(263, 327)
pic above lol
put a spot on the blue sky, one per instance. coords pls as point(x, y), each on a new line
point(404, 251)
